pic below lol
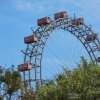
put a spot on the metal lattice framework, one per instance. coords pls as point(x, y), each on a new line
point(34, 51)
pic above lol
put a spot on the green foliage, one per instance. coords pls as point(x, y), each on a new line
point(10, 82)
point(52, 92)
point(1, 71)
point(82, 83)
point(28, 94)
point(25, 85)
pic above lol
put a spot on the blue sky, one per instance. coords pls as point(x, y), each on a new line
point(17, 16)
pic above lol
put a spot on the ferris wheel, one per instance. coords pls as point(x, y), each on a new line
point(46, 53)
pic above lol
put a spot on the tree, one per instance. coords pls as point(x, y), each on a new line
point(81, 83)
point(28, 94)
point(1, 98)
point(10, 81)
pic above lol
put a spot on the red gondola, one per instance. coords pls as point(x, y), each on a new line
point(77, 21)
point(43, 21)
point(92, 37)
point(30, 39)
point(60, 15)
point(24, 67)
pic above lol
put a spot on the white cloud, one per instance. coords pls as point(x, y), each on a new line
point(22, 5)
point(28, 5)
